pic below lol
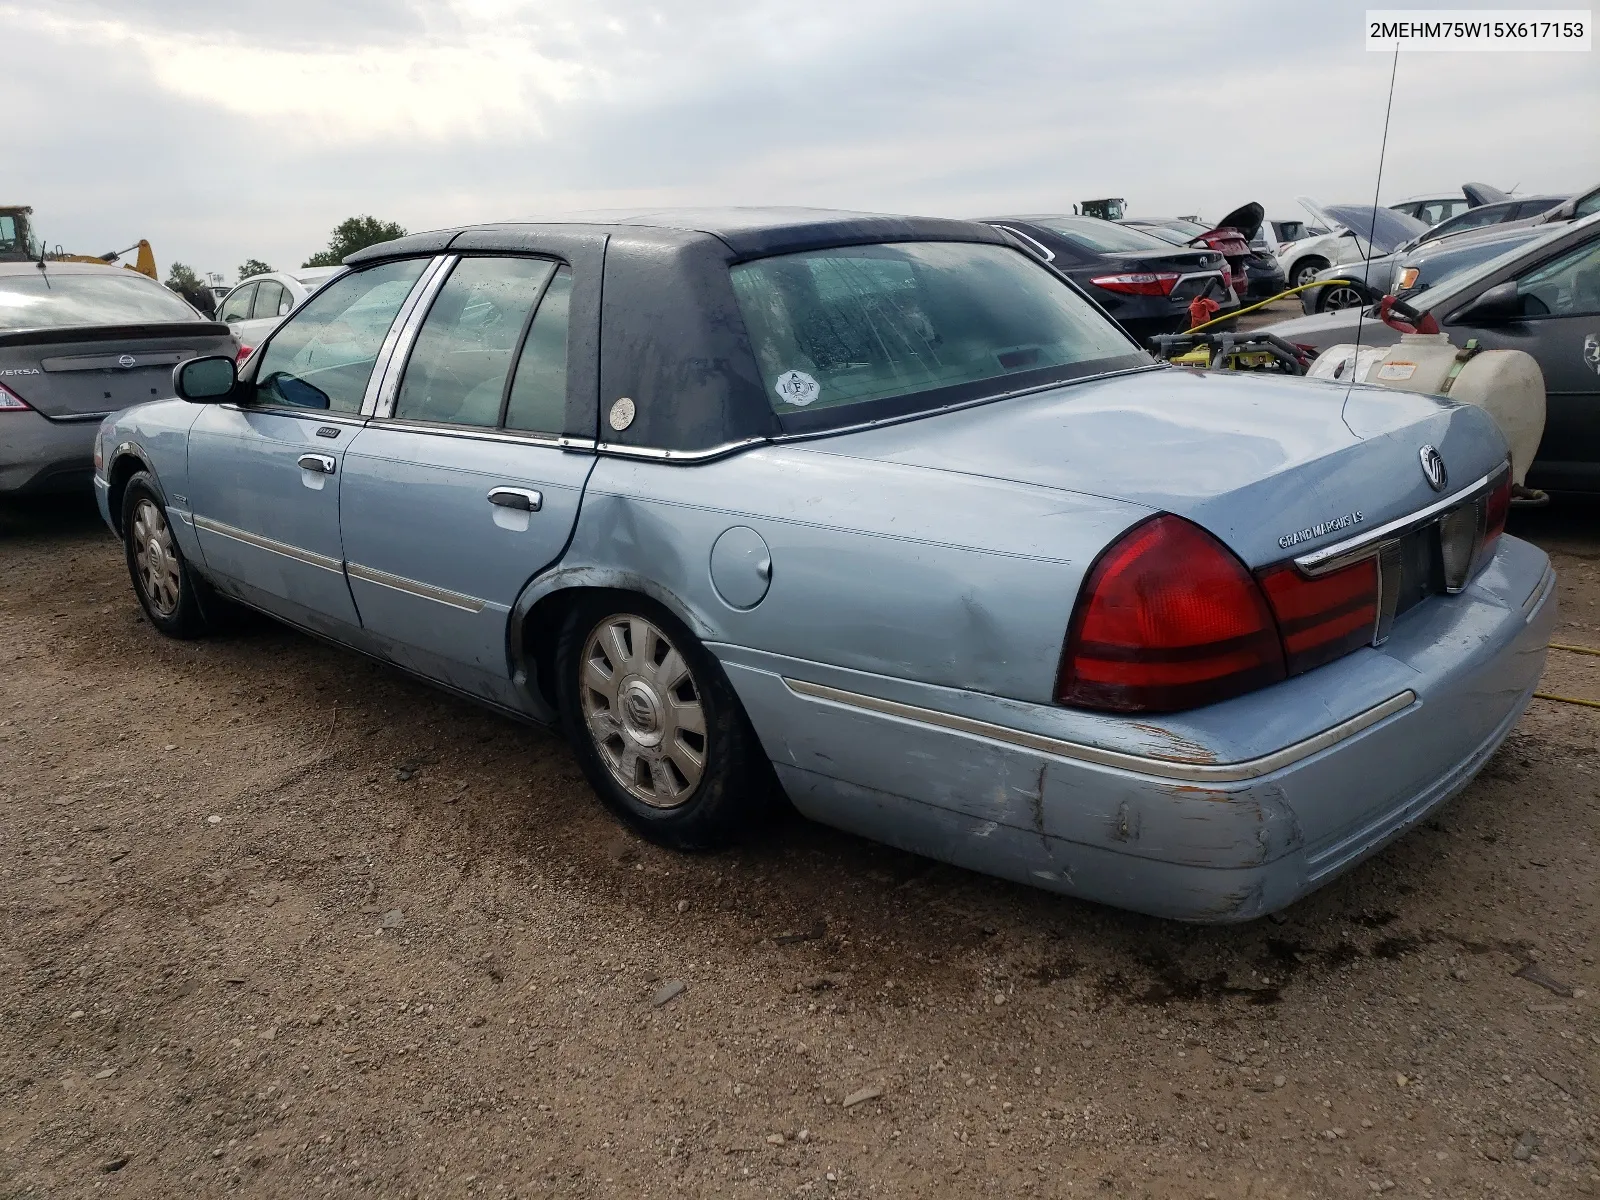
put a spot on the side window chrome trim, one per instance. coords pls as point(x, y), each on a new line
point(477, 433)
point(320, 415)
point(395, 342)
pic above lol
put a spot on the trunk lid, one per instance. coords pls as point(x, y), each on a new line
point(1255, 460)
point(81, 373)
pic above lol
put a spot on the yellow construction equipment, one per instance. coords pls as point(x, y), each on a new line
point(18, 244)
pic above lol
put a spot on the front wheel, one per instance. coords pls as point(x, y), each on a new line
point(166, 588)
point(1341, 295)
point(657, 727)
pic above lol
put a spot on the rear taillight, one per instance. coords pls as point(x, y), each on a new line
point(10, 401)
point(1168, 619)
point(1324, 618)
point(244, 353)
point(1142, 283)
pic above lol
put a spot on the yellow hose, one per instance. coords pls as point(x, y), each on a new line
point(1570, 699)
point(1294, 291)
point(1566, 699)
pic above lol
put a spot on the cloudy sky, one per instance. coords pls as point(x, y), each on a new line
point(222, 129)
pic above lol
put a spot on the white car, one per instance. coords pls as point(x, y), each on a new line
point(1349, 227)
point(254, 307)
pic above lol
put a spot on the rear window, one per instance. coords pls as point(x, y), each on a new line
point(53, 299)
point(1103, 236)
point(887, 329)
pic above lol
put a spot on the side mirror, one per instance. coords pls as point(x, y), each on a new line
point(205, 380)
point(1502, 302)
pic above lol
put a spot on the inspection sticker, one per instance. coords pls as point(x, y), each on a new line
point(1397, 370)
point(797, 388)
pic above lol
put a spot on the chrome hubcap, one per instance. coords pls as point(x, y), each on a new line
point(642, 708)
point(156, 556)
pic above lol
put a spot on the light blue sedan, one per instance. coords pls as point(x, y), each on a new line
point(877, 513)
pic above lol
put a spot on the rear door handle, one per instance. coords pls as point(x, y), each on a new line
point(521, 499)
point(322, 464)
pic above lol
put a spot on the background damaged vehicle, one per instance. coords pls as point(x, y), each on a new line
point(880, 507)
point(1541, 297)
point(78, 341)
point(1145, 283)
point(1356, 232)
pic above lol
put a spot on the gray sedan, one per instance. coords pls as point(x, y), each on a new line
point(78, 341)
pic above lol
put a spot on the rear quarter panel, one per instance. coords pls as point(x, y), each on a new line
point(878, 567)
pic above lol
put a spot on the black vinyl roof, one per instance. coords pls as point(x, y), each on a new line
point(752, 232)
point(665, 330)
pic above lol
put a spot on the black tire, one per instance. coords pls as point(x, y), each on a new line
point(667, 802)
point(168, 591)
point(1348, 295)
point(1304, 268)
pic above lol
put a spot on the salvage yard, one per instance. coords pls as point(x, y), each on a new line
point(279, 921)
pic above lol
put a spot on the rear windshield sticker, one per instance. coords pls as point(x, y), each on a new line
point(1397, 370)
point(797, 388)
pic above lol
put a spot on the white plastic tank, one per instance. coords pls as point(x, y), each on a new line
point(1507, 384)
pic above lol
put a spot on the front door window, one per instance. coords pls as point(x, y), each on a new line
point(323, 354)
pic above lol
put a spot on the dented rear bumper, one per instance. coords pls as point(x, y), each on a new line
point(1225, 814)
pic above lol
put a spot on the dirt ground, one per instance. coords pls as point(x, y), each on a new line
point(282, 922)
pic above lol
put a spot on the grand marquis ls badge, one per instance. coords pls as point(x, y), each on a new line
point(1433, 468)
point(1322, 528)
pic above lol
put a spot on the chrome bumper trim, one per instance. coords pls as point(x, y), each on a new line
point(310, 557)
point(411, 587)
point(1141, 764)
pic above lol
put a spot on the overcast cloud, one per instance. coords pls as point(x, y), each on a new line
point(221, 131)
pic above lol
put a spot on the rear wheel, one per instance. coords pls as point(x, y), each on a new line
point(1304, 271)
point(656, 725)
point(167, 591)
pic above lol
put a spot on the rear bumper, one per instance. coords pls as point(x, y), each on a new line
point(40, 455)
point(1172, 834)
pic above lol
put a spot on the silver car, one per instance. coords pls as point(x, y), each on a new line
point(876, 512)
point(78, 341)
point(254, 307)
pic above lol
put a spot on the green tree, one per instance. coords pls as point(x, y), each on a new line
point(352, 234)
point(181, 278)
point(253, 266)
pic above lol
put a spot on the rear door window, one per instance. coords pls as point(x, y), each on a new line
point(538, 401)
point(323, 354)
point(464, 352)
point(237, 306)
point(271, 300)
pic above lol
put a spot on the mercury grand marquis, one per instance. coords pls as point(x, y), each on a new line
point(876, 513)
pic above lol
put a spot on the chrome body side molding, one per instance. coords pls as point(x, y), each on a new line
point(265, 543)
point(412, 587)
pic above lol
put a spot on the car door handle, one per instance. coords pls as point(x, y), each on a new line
point(519, 498)
point(322, 464)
